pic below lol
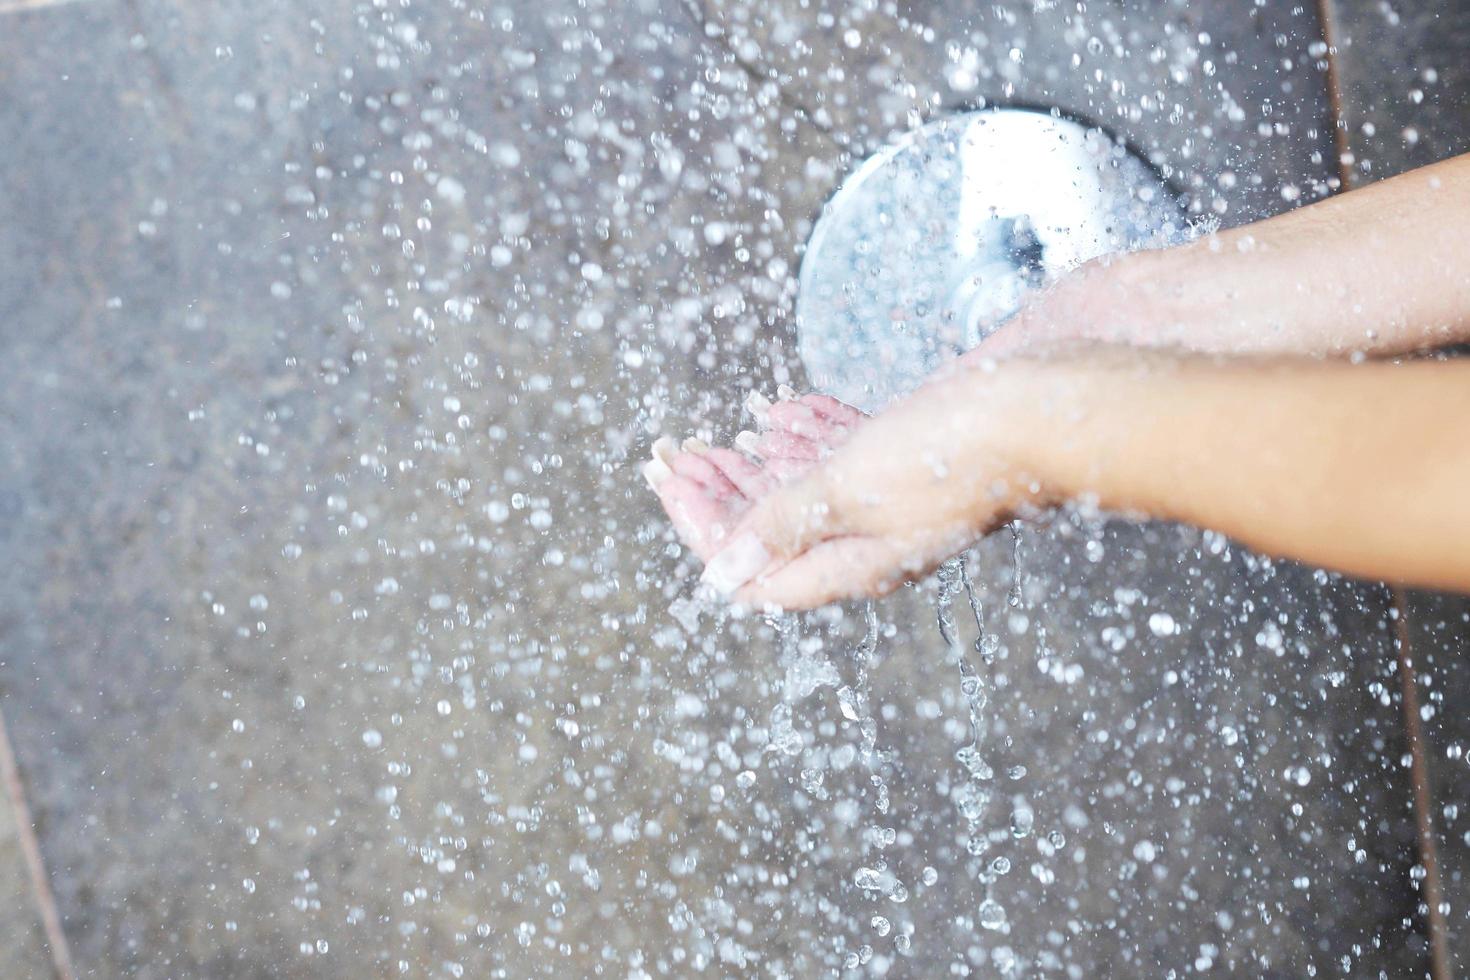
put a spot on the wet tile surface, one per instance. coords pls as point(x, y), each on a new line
point(1439, 627)
point(1403, 80)
point(1405, 84)
point(338, 624)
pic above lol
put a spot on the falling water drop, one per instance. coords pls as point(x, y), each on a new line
point(1014, 596)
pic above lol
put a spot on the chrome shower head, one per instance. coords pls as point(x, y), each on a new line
point(933, 242)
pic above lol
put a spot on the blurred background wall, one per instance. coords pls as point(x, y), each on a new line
point(335, 622)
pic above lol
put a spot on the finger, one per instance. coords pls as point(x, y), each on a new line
point(776, 530)
point(836, 411)
point(778, 445)
point(801, 420)
point(697, 467)
point(701, 521)
point(750, 479)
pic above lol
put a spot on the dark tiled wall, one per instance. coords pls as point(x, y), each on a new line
point(168, 249)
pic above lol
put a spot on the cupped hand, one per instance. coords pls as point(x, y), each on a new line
point(707, 490)
point(902, 492)
point(822, 526)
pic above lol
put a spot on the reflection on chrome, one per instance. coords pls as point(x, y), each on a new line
point(932, 242)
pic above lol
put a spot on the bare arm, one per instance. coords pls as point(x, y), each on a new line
point(1364, 469)
point(1357, 468)
point(1382, 270)
point(1361, 469)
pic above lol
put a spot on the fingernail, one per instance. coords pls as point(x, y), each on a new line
point(656, 471)
point(696, 446)
point(749, 441)
point(757, 404)
point(739, 562)
point(786, 393)
point(664, 449)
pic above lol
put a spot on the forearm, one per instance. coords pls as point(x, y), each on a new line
point(1385, 269)
point(1352, 468)
point(1382, 270)
point(1359, 468)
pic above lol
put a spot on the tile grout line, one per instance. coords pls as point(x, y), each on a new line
point(1409, 683)
point(1340, 144)
point(35, 865)
point(1419, 768)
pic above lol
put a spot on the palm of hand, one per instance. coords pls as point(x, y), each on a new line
point(706, 490)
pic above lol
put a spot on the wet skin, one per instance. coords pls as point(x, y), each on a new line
point(1310, 457)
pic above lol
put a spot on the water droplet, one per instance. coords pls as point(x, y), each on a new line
point(992, 915)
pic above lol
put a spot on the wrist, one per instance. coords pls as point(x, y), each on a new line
point(1131, 299)
point(1062, 421)
point(1121, 299)
point(1012, 415)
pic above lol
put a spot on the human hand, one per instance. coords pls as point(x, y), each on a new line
point(706, 490)
point(906, 490)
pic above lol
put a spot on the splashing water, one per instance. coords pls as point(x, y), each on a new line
point(335, 355)
point(855, 705)
point(877, 876)
point(1013, 599)
point(973, 797)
